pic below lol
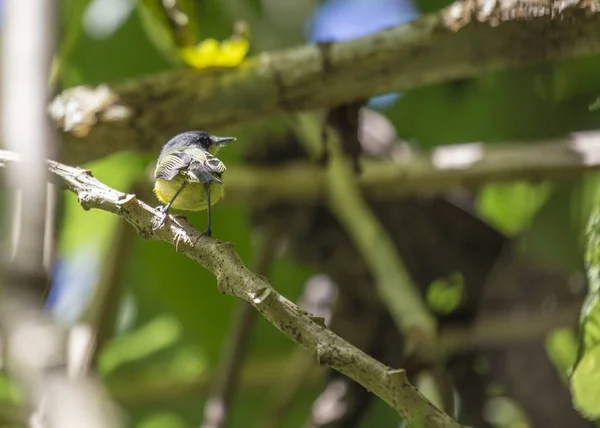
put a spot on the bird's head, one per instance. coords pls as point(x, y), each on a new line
point(202, 139)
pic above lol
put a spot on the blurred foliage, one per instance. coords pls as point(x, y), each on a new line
point(585, 379)
point(561, 345)
point(511, 207)
point(506, 413)
point(444, 295)
point(163, 31)
point(178, 320)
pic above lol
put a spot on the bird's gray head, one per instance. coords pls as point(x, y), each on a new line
point(199, 139)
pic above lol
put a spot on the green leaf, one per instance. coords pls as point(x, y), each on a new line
point(511, 207)
point(585, 384)
point(561, 346)
point(444, 295)
point(585, 379)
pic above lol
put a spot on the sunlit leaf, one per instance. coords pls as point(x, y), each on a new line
point(511, 207)
point(585, 384)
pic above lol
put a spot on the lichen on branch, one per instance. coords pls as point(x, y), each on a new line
point(435, 48)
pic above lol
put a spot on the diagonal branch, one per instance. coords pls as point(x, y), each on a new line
point(234, 278)
point(460, 41)
point(393, 282)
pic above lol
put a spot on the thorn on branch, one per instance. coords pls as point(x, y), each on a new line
point(236, 279)
point(319, 320)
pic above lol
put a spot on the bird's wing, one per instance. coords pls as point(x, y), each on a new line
point(205, 167)
point(171, 164)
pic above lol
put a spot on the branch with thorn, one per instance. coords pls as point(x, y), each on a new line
point(235, 279)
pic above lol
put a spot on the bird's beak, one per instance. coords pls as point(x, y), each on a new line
point(221, 141)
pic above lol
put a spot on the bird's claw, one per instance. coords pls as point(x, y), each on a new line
point(207, 233)
point(160, 222)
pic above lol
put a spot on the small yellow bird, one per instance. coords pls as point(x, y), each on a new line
point(188, 176)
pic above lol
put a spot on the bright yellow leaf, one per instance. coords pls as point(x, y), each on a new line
point(210, 53)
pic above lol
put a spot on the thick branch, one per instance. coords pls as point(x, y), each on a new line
point(436, 48)
point(447, 167)
point(234, 278)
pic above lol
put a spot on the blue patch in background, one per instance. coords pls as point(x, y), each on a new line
point(342, 20)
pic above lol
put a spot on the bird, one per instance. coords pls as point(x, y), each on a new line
point(189, 176)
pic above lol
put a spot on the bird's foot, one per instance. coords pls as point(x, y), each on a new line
point(162, 218)
point(207, 233)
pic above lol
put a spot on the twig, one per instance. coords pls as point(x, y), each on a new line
point(218, 405)
point(139, 388)
point(435, 48)
point(499, 330)
point(393, 282)
point(442, 169)
point(234, 278)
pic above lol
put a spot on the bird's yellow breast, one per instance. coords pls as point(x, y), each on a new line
point(192, 198)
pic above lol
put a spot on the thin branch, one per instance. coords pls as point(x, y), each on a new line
point(393, 282)
point(437, 171)
point(464, 40)
point(218, 405)
point(496, 331)
point(234, 278)
point(139, 388)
